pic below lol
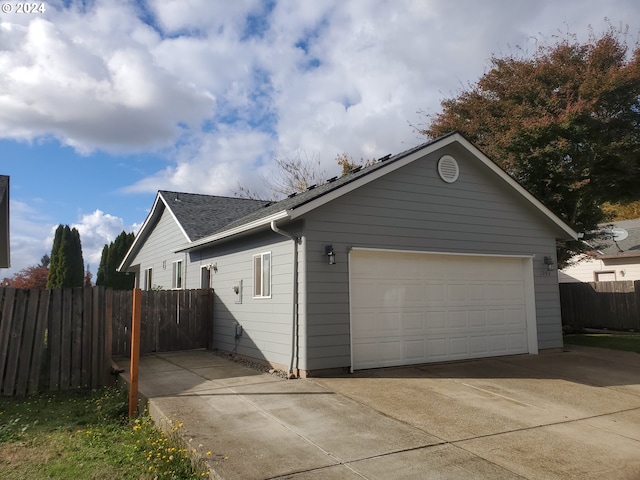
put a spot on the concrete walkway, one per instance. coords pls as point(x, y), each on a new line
point(553, 416)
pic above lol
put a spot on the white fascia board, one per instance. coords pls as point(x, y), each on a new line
point(517, 187)
point(142, 233)
point(175, 219)
point(233, 231)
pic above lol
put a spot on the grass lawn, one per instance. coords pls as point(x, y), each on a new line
point(86, 435)
point(616, 341)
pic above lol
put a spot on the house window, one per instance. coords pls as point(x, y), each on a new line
point(605, 276)
point(176, 281)
point(148, 279)
point(262, 275)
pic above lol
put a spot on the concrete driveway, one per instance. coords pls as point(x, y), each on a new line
point(554, 416)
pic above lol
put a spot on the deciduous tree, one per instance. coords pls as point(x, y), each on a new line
point(564, 122)
point(30, 277)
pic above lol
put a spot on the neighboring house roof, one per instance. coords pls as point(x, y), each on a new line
point(224, 217)
point(316, 195)
point(196, 215)
point(5, 257)
point(628, 247)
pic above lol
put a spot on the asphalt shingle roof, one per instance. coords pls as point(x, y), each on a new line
point(202, 215)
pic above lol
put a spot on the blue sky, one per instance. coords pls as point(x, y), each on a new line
point(102, 103)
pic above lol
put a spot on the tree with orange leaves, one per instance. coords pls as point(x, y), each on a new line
point(564, 122)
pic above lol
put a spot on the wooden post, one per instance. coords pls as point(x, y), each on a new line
point(135, 351)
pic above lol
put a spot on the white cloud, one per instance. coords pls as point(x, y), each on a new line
point(96, 230)
point(89, 78)
point(29, 230)
point(32, 234)
point(217, 164)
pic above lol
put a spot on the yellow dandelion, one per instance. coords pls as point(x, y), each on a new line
point(209, 452)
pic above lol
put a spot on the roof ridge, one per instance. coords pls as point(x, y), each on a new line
point(213, 196)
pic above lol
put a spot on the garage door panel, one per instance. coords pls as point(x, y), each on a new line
point(456, 319)
point(435, 319)
point(413, 323)
point(517, 342)
point(477, 318)
point(478, 345)
point(416, 308)
point(415, 350)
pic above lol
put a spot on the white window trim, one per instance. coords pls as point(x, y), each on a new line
point(261, 256)
point(174, 275)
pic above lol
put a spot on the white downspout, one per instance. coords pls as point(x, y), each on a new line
point(294, 322)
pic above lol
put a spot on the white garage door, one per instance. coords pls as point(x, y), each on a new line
point(409, 308)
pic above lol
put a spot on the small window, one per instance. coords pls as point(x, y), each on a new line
point(262, 275)
point(148, 279)
point(205, 277)
point(605, 276)
point(176, 281)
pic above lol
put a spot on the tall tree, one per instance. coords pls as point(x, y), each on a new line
point(55, 258)
point(112, 256)
point(102, 268)
point(564, 122)
point(67, 265)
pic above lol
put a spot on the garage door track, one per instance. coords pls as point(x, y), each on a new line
point(565, 415)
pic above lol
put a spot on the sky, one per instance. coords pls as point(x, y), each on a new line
point(102, 103)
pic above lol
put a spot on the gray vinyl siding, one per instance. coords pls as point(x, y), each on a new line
point(413, 209)
point(156, 252)
point(266, 322)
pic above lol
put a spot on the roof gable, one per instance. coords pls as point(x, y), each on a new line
point(196, 216)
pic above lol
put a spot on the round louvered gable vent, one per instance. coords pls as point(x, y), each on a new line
point(448, 169)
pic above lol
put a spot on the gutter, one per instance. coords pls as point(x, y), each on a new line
point(294, 320)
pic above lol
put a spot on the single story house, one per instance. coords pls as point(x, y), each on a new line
point(613, 258)
point(431, 255)
point(5, 244)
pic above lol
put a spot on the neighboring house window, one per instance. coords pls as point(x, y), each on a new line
point(148, 278)
point(262, 275)
point(606, 276)
point(176, 281)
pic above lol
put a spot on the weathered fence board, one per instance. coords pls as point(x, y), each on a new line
point(64, 338)
point(39, 342)
point(47, 339)
point(171, 320)
point(612, 305)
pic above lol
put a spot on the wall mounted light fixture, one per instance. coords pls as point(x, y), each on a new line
point(548, 261)
point(331, 255)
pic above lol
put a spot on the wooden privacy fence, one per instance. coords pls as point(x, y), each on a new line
point(171, 320)
point(62, 339)
point(612, 305)
point(54, 339)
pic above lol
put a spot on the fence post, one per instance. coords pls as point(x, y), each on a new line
point(135, 351)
